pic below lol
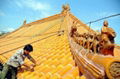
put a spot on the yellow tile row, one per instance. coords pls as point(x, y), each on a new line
point(53, 56)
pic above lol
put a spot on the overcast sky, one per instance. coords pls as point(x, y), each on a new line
point(14, 12)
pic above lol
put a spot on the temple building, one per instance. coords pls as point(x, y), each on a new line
point(58, 55)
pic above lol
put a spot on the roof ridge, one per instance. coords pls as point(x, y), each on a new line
point(80, 22)
point(35, 22)
point(45, 19)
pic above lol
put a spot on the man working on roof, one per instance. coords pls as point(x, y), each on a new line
point(16, 61)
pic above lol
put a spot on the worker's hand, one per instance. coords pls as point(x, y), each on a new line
point(21, 70)
point(33, 65)
point(32, 68)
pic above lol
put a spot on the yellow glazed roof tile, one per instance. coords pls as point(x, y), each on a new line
point(51, 51)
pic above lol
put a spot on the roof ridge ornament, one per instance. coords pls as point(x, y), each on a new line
point(24, 22)
point(65, 9)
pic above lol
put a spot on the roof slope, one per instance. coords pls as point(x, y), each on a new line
point(51, 51)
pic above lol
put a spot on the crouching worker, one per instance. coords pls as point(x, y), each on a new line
point(16, 61)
